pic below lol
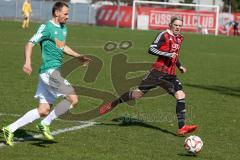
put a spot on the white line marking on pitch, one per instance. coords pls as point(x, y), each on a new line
point(10, 114)
point(59, 131)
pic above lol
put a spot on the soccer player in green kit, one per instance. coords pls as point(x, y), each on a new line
point(52, 37)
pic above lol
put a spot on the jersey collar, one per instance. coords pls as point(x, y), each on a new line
point(57, 25)
point(170, 32)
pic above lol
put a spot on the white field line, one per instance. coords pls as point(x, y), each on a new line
point(59, 131)
point(10, 114)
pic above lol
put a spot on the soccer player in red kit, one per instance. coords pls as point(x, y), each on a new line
point(166, 47)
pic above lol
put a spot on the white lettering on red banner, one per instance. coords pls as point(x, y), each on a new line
point(159, 18)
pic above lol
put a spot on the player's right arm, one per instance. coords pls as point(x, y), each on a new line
point(41, 35)
point(154, 48)
point(23, 7)
point(27, 67)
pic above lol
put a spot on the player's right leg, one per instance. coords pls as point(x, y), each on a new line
point(45, 98)
point(29, 117)
point(150, 81)
point(130, 95)
point(24, 22)
point(8, 135)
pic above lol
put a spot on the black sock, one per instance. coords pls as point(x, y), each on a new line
point(180, 110)
point(123, 98)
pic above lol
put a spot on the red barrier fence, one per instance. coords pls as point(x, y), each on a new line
point(158, 18)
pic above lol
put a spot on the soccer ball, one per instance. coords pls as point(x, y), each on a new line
point(193, 144)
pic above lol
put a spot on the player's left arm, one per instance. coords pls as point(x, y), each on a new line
point(69, 51)
point(180, 67)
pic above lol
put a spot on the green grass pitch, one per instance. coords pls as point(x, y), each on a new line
point(212, 86)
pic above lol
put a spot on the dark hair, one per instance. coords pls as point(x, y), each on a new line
point(174, 18)
point(58, 6)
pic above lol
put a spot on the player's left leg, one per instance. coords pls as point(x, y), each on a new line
point(44, 109)
point(69, 102)
point(27, 21)
point(180, 108)
point(46, 99)
point(174, 87)
point(61, 108)
point(181, 111)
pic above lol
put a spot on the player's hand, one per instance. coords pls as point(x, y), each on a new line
point(173, 55)
point(85, 60)
point(182, 69)
point(27, 68)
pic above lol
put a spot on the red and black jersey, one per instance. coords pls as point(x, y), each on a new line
point(163, 46)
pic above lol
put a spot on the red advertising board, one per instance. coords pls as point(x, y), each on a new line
point(236, 17)
point(159, 18)
point(107, 15)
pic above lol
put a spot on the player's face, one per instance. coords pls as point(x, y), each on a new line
point(176, 26)
point(63, 15)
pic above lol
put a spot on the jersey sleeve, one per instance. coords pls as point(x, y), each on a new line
point(42, 34)
point(156, 44)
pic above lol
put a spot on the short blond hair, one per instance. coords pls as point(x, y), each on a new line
point(174, 18)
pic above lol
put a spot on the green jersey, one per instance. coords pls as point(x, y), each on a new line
point(52, 39)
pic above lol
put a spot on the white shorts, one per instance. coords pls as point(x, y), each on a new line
point(52, 85)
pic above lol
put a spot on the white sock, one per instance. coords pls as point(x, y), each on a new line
point(60, 109)
point(27, 118)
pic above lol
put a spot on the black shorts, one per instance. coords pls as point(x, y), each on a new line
point(157, 78)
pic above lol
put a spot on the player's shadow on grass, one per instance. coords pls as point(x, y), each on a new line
point(187, 155)
point(235, 92)
point(1, 136)
point(128, 121)
point(43, 143)
point(23, 136)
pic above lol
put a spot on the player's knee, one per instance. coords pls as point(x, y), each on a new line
point(180, 95)
point(43, 109)
point(73, 99)
point(136, 94)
